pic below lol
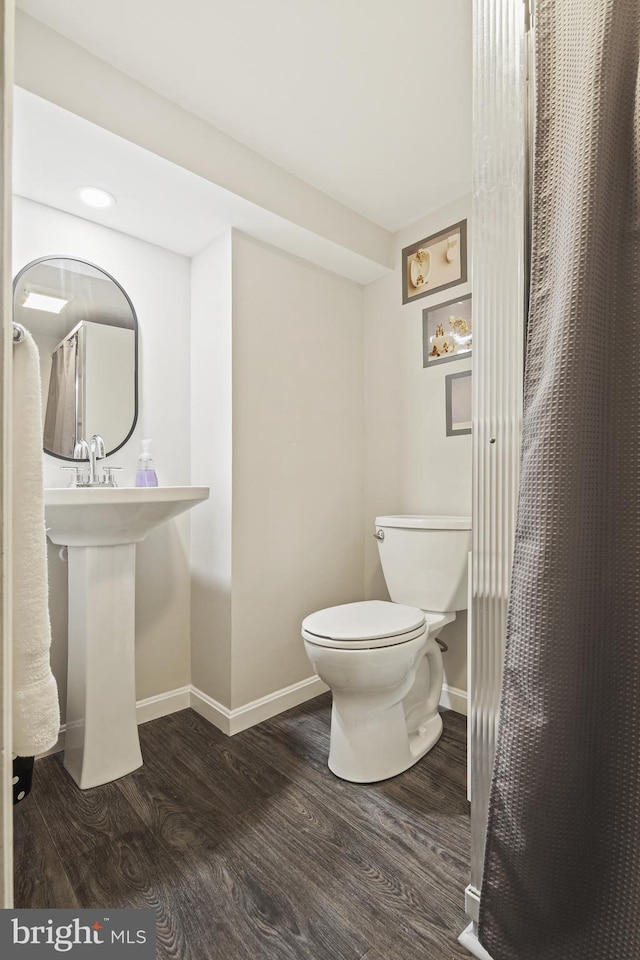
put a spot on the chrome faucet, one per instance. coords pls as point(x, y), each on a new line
point(81, 450)
point(96, 452)
point(93, 451)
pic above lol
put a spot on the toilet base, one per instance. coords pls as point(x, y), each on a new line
point(378, 745)
point(425, 737)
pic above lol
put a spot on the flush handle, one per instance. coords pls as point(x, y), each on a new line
point(379, 534)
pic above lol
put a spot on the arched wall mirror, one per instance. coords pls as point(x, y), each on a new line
point(86, 330)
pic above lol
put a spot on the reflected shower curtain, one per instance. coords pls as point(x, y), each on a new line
point(562, 860)
point(60, 415)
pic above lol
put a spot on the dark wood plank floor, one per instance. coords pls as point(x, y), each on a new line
point(249, 848)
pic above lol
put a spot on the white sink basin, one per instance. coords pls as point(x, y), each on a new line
point(101, 517)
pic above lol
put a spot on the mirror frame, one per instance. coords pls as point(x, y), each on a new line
point(88, 263)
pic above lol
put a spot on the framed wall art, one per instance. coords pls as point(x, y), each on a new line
point(458, 403)
point(435, 263)
point(447, 331)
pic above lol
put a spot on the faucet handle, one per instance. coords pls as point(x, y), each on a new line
point(78, 478)
point(109, 479)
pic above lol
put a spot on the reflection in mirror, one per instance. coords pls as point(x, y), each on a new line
point(86, 330)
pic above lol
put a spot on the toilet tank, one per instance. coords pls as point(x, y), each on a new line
point(424, 560)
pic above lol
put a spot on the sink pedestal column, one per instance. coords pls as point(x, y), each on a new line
point(101, 526)
point(101, 742)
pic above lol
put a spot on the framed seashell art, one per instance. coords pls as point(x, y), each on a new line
point(447, 331)
point(435, 263)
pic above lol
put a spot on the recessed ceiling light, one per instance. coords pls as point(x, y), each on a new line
point(95, 197)
point(38, 301)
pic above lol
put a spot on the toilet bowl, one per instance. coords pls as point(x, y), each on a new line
point(381, 659)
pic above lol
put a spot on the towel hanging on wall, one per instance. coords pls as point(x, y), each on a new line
point(36, 713)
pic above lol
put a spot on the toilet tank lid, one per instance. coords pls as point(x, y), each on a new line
point(425, 523)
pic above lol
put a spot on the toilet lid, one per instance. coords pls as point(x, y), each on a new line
point(366, 620)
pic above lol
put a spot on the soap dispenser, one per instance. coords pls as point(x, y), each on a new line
point(146, 475)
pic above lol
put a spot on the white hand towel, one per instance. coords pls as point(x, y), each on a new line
point(36, 713)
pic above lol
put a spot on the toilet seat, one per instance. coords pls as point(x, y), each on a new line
point(365, 624)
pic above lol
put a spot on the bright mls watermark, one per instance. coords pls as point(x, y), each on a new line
point(79, 934)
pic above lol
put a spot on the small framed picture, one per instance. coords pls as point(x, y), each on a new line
point(447, 331)
point(435, 263)
point(458, 403)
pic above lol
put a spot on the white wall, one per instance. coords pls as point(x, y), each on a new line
point(411, 466)
point(277, 426)
point(158, 283)
point(211, 454)
point(297, 459)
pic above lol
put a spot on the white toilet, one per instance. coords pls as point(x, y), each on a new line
point(381, 659)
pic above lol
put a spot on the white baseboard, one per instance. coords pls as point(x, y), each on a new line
point(469, 940)
point(454, 699)
point(234, 721)
point(149, 709)
point(163, 704)
point(229, 721)
point(216, 713)
point(472, 902)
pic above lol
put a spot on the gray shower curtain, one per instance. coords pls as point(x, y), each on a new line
point(562, 860)
point(60, 426)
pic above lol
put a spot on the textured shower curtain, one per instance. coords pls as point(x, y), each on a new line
point(60, 426)
point(562, 860)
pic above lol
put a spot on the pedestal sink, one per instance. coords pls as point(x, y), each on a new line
point(100, 527)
